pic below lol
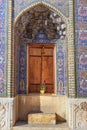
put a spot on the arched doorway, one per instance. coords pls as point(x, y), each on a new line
point(20, 51)
point(41, 49)
point(40, 25)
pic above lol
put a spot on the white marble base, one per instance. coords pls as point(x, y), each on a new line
point(6, 113)
point(77, 114)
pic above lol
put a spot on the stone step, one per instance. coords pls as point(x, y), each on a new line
point(42, 118)
point(24, 126)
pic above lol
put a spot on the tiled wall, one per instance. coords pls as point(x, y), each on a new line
point(80, 38)
point(3, 43)
point(41, 37)
point(22, 75)
point(81, 46)
point(19, 6)
point(62, 5)
point(61, 67)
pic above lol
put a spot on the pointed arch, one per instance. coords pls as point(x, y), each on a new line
point(70, 38)
point(49, 6)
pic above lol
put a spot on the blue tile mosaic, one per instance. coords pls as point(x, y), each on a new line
point(39, 33)
point(60, 71)
point(3, 22)
point(22, 69)
point(61, 62)
point(62, 6)
point(81, 27)
point(41, 37)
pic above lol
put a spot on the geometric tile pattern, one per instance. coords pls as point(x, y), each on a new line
point(81, 43)
point(3, 21)
point(61, 5)
point(71, 49)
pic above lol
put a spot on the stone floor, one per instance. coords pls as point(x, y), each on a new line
point(25, 126)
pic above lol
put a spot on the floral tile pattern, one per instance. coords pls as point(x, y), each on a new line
point(81, 43)
point(22, 69)
point(3, 22)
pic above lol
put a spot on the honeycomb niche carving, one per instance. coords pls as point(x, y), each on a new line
point(40, 25)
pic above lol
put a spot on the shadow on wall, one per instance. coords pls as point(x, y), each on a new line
point(29, 105)
point(41, 104)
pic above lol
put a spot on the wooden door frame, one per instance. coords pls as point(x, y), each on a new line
point(54, 58)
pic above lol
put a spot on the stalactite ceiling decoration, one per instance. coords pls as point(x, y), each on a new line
point(40, 24)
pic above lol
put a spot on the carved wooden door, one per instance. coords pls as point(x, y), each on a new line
point(40, 67)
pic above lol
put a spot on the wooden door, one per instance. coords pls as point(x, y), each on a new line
point(41, 67)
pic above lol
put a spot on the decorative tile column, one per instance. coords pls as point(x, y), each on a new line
point(10, 70)
point(71, 53)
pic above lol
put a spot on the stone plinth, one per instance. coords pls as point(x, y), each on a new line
point(34, 103)
point(41, 118)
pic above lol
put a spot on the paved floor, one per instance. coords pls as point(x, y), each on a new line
point(25, 126)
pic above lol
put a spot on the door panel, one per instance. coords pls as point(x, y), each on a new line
point(47, 52)
point(47, 69)
point(49, 88)
point(34, 73)
point(35, 51)
point(40, 66)
point(34, 88)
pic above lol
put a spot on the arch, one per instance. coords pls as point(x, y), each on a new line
point(70, 43)
point(51, 9)
point(60, 22)
point(70, 37)
point(45, 4)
